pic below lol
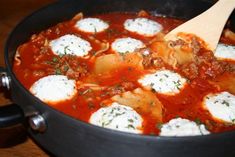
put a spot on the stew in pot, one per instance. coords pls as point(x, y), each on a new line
point(116, 71)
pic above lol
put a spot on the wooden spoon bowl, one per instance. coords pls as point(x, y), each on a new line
point(208, 25)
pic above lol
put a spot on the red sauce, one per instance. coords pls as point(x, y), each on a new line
point(37, 61)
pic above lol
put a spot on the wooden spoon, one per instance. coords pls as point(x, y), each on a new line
point(208, 25)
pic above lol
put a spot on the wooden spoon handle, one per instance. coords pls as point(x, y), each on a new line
point(208, 25)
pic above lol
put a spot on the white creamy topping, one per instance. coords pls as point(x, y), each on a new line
point(143, 26)
point(164, 81)
point(125, 45)
point(118, 117)
point(182, 127)
point(54, 88)
point(221, 106)
point(91, 25)
point(70, 44)
point(225, 52)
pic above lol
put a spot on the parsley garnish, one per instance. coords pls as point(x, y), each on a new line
point(197, 121)
point(225, 103)
point(159, 125)
point(58, 72)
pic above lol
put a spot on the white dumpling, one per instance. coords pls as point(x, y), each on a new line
point(164, 82)
point(182, 127)
point(70, 44)
point(54, 88)
point(91, 25)
point(221, 106)
point(118, 117)
point(126, 45)
point(143, 26)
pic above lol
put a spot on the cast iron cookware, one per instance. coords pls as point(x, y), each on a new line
point(67, 137)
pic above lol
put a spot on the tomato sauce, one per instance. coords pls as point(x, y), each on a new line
point(37, 61)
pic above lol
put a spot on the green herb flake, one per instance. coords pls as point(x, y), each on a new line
point(225, 103)
point(151, 84)
point(55, 59)
point(177, 84)
point(66, 49)
point(159, 125)
point(66, 68)
point(130, 126)
point(166, 75)
point(130, 120)
point(48, 62)
point(58, 72)
point(61, 55)
point(197, 121)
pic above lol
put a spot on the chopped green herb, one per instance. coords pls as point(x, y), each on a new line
point(48, 62)
point(119, 114)
point(61, 55)
point(166, 75)
point(177, 116)
point(112, 111)
point(130, 126)
point(66, 49)
point(177, 84)
point(159, 125)
point(95, 31)
point(151, 84)
point(130, 120)
point(58, 72)
point(55, 59)
point(66, 68)
point(106, 123)
point(225, 103)
point(197, 121)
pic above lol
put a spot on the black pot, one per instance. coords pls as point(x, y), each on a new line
point(67, 137)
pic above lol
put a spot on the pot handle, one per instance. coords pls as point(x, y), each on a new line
point(11, 115)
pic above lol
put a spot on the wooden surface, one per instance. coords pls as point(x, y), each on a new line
point(14, 142)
